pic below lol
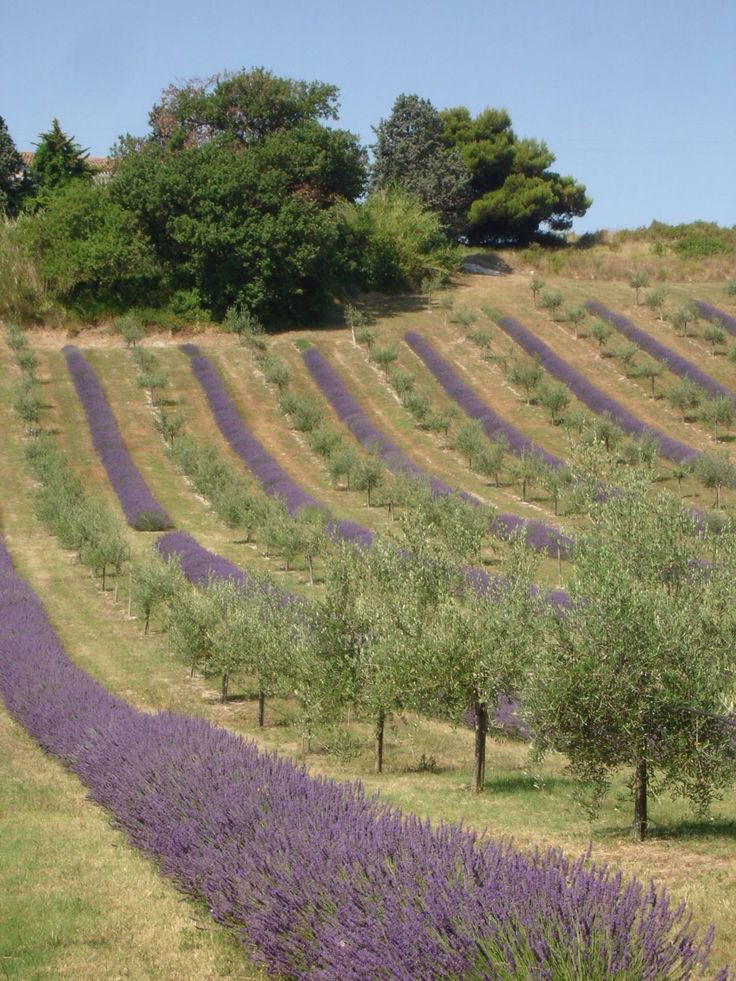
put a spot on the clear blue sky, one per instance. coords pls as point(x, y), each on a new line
point(636, 98)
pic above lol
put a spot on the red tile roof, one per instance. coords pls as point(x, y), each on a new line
point(99, 164)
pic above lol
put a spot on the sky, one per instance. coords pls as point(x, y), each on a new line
point(636, 98)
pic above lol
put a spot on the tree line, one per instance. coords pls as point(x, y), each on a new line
point(242, 196)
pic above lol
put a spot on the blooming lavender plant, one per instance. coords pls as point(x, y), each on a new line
point(201, 567)
point(675, 362)
point(710, 312)
point(592, 396)
point(539, 536)
point(141, 509)
point(198, 564)
point(273, 479)
point(323, 880)
point(472, 405)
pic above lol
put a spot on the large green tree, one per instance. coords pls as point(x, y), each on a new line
point(237, 188)
point(11, 172)
point(410, 155)
point(243, 106)
point(85, 245)
point(57, 161)
point(514, 191)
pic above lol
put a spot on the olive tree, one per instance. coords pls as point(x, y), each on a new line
point(481, 645)
point(634, 674)
point(155, 582)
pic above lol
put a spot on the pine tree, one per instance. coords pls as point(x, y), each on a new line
point(409, 154)
point(57, 160)
point(11, 172)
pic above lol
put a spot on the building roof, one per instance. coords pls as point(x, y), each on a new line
point(98, 164)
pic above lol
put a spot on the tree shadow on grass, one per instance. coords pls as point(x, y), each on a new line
point(516, 783)
point(697, 828)
point(373, 306)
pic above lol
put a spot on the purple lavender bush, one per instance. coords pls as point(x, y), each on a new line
point(272, 478)
point(141, 508)
point(323, 880)
point(198, 564)
point(472, 405)
point(710, 312)
point(590, 395)
point(201, 567)
point(539, 536)
point(675, 362)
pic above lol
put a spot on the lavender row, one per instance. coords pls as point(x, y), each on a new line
point(539, 536)
point(324, 881)
point(141, 509)
point(710, 312)
point(673, 361)
point(472, 405)
point(272, 478)
point(201, 567)
point(592, 396)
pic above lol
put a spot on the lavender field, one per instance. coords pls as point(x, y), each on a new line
point(318, 876)
point(538, 534)
point(325, 881)
point(590, 395)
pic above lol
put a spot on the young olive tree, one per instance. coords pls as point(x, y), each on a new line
point(600, 330)
point(536, 285)
point(192, 618)
point(635, 673)
point(104, 545)
point(470, 440)
point(320, 645)
point(650, 370)
point(312, 527)
point(526, 469)
point(555, 398)
point(155, 582)
point(715, 335)
point(481, 647)
point(528, 374)
point(368, 475)
point(551, 300)
point(655, 300)
point(715, 471)
point(385, 601)
point(718, 412)
point(685, 395)
point(638, 281)
point(259, 616)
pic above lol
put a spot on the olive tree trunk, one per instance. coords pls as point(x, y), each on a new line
point(480, 712)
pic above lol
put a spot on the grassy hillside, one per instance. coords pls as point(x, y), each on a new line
point(427, 764)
